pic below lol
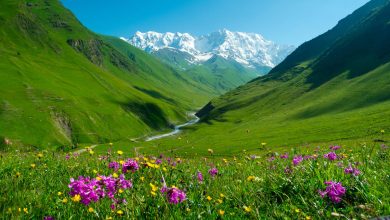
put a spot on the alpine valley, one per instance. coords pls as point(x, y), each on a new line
point(223, 58)
point(334, 87)
point(227, 125)
point(61, 84)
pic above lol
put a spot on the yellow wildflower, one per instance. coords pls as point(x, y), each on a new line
point(219, 201)
point(153, 193)
point(247, 208)
point(39, 155)
point(111, 144)
point(95, 171)
point(308, 218)
point(119, 212)
point(382, 131)
point(142, 178)
point(221, 212)
point(154, 187)
point(188, 209)
point(115, 175)
point(121, 162)
point(19, 209)
point(76, 198)
point(224, 160)
point(98, 178)
point(152, 165)
point(59, 193)
point(25, 210)
point(209, 198)
point(297, 210)
point(119, 152)
point(120, 191)
point(90, 209)
point(33, 165)
point(210, 151)
point(164, 169)
point(263, 144)
point(221, 195)
point(91, 152)
point(18, 174)
point(64, 200)
point(250, 178)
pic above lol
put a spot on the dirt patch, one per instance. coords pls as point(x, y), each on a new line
point(92, 49)
point(63, 123)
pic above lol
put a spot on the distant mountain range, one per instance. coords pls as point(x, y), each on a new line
point(248, 49)
point(334, 87)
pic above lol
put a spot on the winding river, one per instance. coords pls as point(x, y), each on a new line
point(176, 130)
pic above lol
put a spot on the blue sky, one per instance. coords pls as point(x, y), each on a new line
point(283, 21)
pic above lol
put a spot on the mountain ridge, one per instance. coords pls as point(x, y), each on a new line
point(62, 84)
point(333, 87)
point(249, 49)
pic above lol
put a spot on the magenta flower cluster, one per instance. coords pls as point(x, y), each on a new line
point(334, 148)
point(91, 190)
point(199, 176)
point(297, 160)
point(331, 156)
point(130, 165)
point(114, 165)
point(284, 156)
point(213, 171)
point(352, 170)
point(174, 195)
point(334, 190)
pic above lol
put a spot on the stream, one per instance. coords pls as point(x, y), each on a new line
point(176, 130)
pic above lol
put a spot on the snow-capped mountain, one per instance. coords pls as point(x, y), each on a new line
point(249, 49)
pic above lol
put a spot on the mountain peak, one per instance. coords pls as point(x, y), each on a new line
point(249, 49)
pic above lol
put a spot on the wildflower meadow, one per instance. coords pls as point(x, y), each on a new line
point(298, 183)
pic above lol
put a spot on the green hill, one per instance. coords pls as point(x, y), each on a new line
point(62, 84)
point(217, 73)
point(332, 88)
point(220, 74)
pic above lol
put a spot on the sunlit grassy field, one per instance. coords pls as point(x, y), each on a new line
point(292, 183)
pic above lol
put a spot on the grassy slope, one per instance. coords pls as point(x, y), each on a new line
point(217, 73)
point(53, 94)
point(221, 74)
point(308, 99)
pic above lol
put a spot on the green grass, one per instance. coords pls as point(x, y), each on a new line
point(332, 88)
point(269, 192)
point(61, 84)
point(218, 73)
point(284, 115)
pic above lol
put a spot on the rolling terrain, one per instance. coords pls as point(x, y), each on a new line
point(332, 88)
point(61, 84)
